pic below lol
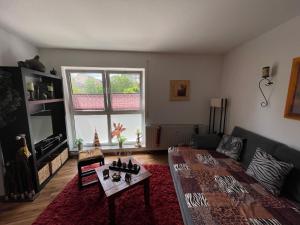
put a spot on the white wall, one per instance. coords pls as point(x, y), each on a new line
point(14, 49)
point(241, 74)
point(203, 71)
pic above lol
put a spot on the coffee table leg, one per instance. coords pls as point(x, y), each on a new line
point(111, 207)
point(79, 176)
point(101, 191)
point(147, 192)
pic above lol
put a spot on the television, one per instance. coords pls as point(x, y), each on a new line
point(41, 127)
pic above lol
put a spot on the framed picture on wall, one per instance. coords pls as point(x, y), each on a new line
point(179, 90)
point(292, 107)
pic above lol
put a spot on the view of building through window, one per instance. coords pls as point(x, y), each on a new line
point(125, 91)
point(87, 91)
point(101, 98)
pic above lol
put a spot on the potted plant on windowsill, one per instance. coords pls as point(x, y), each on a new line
point(121, 140)
point(117, 132)
point(79, 143)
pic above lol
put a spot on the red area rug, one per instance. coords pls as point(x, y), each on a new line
point(88, 207)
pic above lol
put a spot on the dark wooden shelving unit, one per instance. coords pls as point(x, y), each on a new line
point(52, 108)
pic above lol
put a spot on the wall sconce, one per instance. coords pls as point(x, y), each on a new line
point(266, 79)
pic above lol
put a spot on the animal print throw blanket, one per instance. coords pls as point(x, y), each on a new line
point(215, 190)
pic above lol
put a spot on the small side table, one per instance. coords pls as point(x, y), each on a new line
point(85, 158)
point(114, 189)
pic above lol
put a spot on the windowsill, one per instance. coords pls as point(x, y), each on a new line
point(105, 148)
point(115, 148)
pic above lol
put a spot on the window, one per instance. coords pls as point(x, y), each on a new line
point(100, 98)
point(87, 91)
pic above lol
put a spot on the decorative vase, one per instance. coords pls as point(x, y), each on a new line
point(120, 144)
point(53, 72)
point(80, 147)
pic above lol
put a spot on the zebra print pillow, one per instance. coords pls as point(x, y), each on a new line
point(268, 171)
point(230, 146)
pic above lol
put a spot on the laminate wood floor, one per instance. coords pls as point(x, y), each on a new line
point(26, 212)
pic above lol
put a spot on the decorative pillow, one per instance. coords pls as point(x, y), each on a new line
point(231, 146)
point(268, 171)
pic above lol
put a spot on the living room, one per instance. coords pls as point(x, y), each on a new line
point(135, 112)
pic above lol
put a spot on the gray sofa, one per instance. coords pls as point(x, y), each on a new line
point(282, 152)
point(182, 160)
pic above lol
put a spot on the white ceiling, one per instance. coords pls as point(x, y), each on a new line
point(195, 26)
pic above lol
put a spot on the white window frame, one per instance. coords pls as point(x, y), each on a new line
point(108, 111)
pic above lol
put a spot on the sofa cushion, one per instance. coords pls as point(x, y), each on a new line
point(230, 146)
point(208, 141)
point(291, 187)
point(268, 171)
point(253, 141)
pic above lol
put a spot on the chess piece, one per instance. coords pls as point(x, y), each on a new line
point(116, 177)
point(130, 165)
point(119, 163)
point(128, 177)
point(105, 174)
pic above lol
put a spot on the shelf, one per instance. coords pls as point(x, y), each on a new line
point(41, 74)
point(41, 113)
point(45, 101)
point(40, 160)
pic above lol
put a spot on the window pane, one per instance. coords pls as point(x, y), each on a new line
point(131, 122)
point(125, 91)
point(85, 127)
point(87, 91)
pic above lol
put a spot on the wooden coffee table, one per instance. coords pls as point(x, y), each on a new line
point(114, 189)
